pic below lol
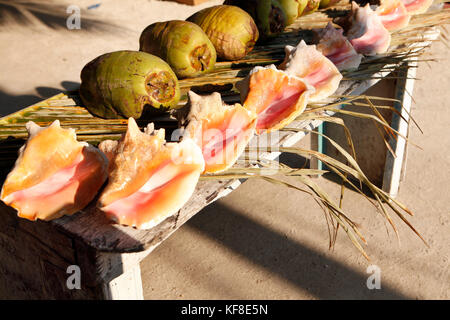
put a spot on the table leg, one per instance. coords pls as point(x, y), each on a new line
point(127, 286)
point(38, 261)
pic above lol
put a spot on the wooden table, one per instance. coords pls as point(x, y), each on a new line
point(35, 256)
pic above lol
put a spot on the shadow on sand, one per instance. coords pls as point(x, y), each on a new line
point(10, 103)
point(309, 270)
point(51, 14)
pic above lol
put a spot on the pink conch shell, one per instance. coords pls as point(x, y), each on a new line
point(309, 64)
point(55, 175)
point(222, 131)
point(149, 179)
point(366, 31)
point(337, 48)
point(275, 96)
point(393, 14)
point(417, 6)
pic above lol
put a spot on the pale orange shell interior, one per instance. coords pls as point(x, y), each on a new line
point(393, 14)
point(309, 64)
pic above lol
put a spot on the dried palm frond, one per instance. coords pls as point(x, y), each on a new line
point(334, 213)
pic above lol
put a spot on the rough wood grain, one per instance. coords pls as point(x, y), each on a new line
point(34, 259)
point(92, 227)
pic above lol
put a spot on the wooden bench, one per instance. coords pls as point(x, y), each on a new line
point(35, 256)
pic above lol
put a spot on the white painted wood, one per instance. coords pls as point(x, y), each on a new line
point(127, 286)
point(111, 265)
point(396, 166)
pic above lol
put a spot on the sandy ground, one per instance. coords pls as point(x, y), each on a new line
point(41, 57)
point(261, 241)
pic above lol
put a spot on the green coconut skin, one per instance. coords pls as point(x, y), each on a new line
point(301, 7)
point(231, 30)
point(290, 7)
point(327, 3)
point(121, 84)
point(311, 7)
point(182, 44)
point(272, 17)
point(269, 15)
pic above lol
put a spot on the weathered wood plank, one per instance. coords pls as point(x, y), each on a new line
point(92, 227)
point(127, 286)
point(34, 260)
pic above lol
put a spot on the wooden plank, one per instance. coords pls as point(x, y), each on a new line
point(394, 165)
point(369, 145)
point(34, 260)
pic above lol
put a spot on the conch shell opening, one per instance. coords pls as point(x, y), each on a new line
point(337, 48)
point(365, 30)
point(417, 6)
point(393, 14)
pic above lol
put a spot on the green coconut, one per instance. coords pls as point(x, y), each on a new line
point(182, 44)
point(269, 15)
point(231, 30)
point(290, 7)
point(311, 7)
point(122, 84)
point(327, 3)
point(301, 7)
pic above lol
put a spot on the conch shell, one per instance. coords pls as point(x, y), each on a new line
point(275, 96)
point(393, 14)
point(54, 175)
point(306, 62)
point(333, 45)
point(149, 179)
point(365, 30)
point(417, 6)
point(222, 131)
